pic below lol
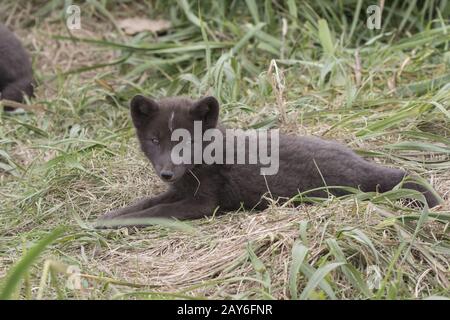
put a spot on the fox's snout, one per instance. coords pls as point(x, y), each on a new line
point(168, 172)
point(166, 175)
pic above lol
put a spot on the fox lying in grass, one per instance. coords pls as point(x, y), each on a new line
point(198, 190)
point(16, 75)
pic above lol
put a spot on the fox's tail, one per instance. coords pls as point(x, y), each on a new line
point(432, 200)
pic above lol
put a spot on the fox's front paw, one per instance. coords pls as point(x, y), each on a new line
point(106, 219)
point(110, 215)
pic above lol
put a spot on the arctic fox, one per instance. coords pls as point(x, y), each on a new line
point(202, 189)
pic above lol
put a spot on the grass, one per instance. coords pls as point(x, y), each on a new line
point(306, 68)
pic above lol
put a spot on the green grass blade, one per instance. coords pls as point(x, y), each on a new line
point(317, 277)
point(16, 273)
point(299, 253)
point(325, 38)
point(352, 274)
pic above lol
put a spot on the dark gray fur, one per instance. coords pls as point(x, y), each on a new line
point(196, 191)
point(16, 75)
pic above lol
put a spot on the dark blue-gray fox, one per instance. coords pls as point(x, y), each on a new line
point(16, 75)
point(198, 190)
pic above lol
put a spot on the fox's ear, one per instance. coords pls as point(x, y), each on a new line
point(142, 108)
point(206, 110)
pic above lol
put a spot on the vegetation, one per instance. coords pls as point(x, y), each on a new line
point(304, 67)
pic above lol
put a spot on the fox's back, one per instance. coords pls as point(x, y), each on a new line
point(14, 60)
point(304, 163)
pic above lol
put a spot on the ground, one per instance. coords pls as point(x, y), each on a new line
point(384, 93)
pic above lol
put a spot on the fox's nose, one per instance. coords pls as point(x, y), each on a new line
point(166, 175)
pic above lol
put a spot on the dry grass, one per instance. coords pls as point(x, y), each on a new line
point(69, 165)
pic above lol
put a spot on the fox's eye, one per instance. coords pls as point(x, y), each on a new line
point(154, 141)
